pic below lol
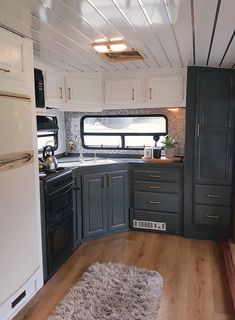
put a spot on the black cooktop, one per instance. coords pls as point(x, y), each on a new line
point(51, 175)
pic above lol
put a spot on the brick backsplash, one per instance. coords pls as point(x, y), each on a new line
point(176, 126)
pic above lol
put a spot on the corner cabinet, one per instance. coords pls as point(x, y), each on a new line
point(104, 202)
point(209, 152)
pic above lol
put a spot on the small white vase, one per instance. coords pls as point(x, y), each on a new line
point(169, 152)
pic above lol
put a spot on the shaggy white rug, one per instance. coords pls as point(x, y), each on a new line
point(108, 291)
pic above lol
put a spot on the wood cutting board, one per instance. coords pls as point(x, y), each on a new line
point(162, 160)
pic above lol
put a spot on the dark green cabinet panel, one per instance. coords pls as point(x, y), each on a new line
point(214, 128)
point(209, 152)
point(94, 205)
point(117, 191)
point(77, 211)
point(105, 198)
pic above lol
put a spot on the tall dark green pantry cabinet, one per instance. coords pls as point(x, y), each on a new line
point(209, 147)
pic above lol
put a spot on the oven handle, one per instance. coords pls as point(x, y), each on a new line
point(61, 191)
point(64, 219)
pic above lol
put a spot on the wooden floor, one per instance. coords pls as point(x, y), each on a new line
point(193, 272)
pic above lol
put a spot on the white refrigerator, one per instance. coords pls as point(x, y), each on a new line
point(20, 274)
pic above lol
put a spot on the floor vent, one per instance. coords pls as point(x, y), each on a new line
point(152, 225)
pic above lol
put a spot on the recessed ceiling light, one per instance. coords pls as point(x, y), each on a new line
point(173, 109)
point(118, 47)
point(101, 48)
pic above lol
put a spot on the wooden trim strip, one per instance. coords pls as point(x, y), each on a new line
point(230, 268)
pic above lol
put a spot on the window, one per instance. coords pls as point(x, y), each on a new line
point(122, 131)
point(46, 138)
point(47, 131)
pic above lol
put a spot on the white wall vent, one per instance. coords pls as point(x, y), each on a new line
point(152, 225)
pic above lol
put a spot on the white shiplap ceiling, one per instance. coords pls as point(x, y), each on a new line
point(63, 31)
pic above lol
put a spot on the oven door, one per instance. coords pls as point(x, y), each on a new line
point(59, 244)
point(59, 204)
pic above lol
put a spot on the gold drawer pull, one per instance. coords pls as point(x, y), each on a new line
point(210, 216)
point(154, 187)
point(154, 176)
point(213, 196)
point(154, 202)
point(5, 70)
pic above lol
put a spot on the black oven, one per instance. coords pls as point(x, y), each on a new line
point(57, 220)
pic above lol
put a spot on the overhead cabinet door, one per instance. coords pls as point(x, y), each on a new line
point(166, 90)
point(214, 122)
point(11, 55)
point(82, 91)
point(120, 92)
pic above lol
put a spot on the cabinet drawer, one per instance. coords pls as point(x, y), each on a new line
point(213, 195)
point(157, 175)
point(214, 216)
point(156, 201)
point(173, 224)
point(170, 187)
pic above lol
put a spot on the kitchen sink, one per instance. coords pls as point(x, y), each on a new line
point(88, 162)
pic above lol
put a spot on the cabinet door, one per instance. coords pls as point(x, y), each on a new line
point(117, 190)
point(120, 92)
point(11, 55)
point(77, 209)
point(82, 91)
point(214, 129)
point(94, 205)
point(54, 88)
point(166, 90)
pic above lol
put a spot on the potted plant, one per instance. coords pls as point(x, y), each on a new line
point(169, 146)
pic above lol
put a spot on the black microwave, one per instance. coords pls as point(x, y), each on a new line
point(39, 88)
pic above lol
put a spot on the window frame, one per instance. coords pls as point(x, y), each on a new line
point(121, 134)
point(53, 133)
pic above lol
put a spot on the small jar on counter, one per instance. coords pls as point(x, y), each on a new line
point(148, 152)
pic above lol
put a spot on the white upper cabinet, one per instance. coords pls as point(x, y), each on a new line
point(11, 55)
point(71, 92)
point(54, 88)
point(120, 92)
point(84, 92)
point(166, 90)
point(16, 63)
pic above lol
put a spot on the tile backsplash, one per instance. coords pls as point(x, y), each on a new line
point(176, 126)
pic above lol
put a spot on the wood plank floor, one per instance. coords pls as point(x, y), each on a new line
point(193, 272)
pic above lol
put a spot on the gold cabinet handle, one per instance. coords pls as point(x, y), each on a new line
point(5, 70)
point(109, 181)
point(133, 94)
point(154, 202)
point(213, 196)
point(154, 187)
point(210, 216)
point(69, 90)
point(61, 92)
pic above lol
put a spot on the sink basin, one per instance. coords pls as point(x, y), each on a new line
point(87, 163)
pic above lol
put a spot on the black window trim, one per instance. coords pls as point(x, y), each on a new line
point(121, 134)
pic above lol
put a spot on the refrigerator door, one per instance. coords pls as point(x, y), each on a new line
point(19, 250)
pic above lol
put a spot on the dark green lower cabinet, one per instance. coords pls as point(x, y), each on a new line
point(105, 203)
point(94, 204)
point(117, 191)
point(77, 209)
